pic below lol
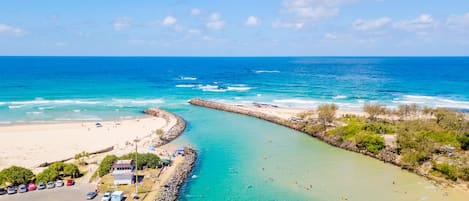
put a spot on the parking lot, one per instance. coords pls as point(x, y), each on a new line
point(66, 193)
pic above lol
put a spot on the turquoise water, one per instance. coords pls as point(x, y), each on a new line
point(243, 158)
point(35, 89)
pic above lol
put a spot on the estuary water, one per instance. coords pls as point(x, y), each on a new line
point(243, 158)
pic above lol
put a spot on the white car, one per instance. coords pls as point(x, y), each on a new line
point(106, 196)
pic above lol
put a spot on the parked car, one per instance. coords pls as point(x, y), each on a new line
point(106, 196)
point(91, 195)
point(31, 187)
point(3, 191)
point(59, 183)
point(22, 188)
point(41, 186)
point(11, 190)
point(50, 184)
point(70, 182)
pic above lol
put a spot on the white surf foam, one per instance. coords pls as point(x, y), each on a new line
point(215, 90)
point(432, 101)
point(185, 85)
point(14, 106)
point(238, 88)
point(41, 101)
point(187, 78)
point(34, 113)
point(339, 97)
point(138, 101)
point(267, 71)
point(296, 102)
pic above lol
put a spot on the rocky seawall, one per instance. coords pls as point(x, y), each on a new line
point(174, 131)
point(170, 190)
point(387, 155)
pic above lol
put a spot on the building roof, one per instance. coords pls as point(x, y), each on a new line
point(123, 164)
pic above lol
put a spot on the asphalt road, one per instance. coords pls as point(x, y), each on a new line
point(66, 193)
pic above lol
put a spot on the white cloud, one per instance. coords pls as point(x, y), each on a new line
point(195, 11)
point(419, 24)
point(313, 10)
point(169, 20)
point(252, 21)
point(11, 30)
point(458, 21)
point(215, 22)
point(287, 25)
point(368, 25)
point(122, 23)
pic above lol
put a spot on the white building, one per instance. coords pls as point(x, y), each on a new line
point(123, 171)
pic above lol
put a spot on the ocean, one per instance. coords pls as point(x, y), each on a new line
point(92, 88)
point(242, 158)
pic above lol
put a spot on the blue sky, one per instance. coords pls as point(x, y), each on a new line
point(235, 27)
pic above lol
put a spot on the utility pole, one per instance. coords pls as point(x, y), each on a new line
point(136, 165)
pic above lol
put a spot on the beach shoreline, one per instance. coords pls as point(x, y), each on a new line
point(36, 144)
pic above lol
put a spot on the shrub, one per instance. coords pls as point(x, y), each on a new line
point(463, 173)
point(16, 175)
point(464, 141)
point(105, 165)
point(313, 128)
point(370, 141)
point(414, 158)
point(346, 132)
point(446, 169)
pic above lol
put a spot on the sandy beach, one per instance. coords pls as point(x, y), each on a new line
point(288, 112)
point(29, 145)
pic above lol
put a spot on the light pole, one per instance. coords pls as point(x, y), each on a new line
point(136, 165)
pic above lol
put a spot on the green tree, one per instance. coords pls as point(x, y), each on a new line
point(407, 110)
point(16, 175)
point(57, 166)
point(71, 170)
point(106, 164)
point(47, 175)
point(326, 113)
point(147, 159)
point(80, 157)
point(374, 110)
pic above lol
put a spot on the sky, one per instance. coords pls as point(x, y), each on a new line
point(234, 27)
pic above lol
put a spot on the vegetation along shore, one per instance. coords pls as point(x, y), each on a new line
point(431, 142)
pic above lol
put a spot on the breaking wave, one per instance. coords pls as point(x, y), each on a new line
point(267, 71)
point(187, 78)
point(432, 101)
